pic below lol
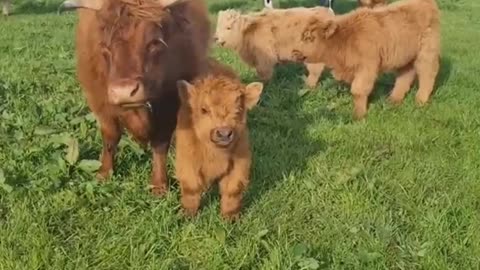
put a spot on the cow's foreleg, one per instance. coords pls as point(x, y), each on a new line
point(111, 134)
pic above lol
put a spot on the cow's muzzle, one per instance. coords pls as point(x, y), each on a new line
point(126, 93)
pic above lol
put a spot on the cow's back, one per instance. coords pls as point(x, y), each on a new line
point(188, 49)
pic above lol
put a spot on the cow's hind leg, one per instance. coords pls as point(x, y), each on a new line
point(111, 134)
point(315, 70)
point(403, 83)
point(427, 66)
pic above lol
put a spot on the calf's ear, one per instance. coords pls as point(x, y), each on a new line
point(184, 90)
point(329, 28)
point(252, 94)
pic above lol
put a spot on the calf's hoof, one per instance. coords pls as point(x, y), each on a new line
point(421, 101)
point(359, 116)
point(309, 82)
point(396, 101)
point(103, 175)
point(159, 190)
point(231, 217)
point(189, 212)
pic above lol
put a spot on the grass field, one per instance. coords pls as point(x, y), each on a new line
point(400, 190)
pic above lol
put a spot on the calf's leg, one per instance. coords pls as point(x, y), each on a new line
point(403, 83)
point(232, 187)
point(427, 66)
point(315, 70)
point(361, 88)
point(264, 68)
point(191, 189)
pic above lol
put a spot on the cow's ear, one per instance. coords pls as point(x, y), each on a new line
point(252, 94)
point(329, 28)
point(185, 90)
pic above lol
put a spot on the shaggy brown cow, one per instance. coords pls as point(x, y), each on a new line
point(371, 3)
point(212, 139)
point(358, 46)
point(264, 39)
point(130, 54)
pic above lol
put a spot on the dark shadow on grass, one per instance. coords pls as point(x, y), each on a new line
point(385, 83)
point(340, 6)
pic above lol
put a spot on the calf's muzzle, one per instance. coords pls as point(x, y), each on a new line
point(222, 136)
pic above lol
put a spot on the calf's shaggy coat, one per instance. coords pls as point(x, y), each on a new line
point(130, 54)
point(212, 139)
point(358, 46)
point(268, 37)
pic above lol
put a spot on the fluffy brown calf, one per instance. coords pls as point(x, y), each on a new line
point(130, 54)
point(358, 46)
point(371, 3)
point(212, 139)
point(266, 38)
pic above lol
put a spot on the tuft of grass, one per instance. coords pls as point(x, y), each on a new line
point(397, 191)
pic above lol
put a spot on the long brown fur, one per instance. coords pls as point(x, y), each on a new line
point(267, 38)
point(358, 46)
point(124, 29)
point(215, 100)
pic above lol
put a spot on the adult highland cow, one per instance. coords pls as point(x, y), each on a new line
point(130, 54)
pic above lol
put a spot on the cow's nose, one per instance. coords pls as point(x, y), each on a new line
point(126, 92)
point(222, 136)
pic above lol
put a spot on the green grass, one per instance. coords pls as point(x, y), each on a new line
point(400, 190)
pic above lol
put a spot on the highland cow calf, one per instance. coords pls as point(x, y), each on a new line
point(358, 46)
point(212, 139)
point(266, 38)
point(371, 3)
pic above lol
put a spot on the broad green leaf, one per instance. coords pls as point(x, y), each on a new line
point(72, 151)
point(309, 263)
point(2, 177)
point(299, 250)
point(42, 130)
point(89, 165)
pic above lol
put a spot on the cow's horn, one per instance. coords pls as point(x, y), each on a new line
point(73, 4)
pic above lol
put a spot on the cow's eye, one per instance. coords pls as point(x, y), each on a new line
point(204, 110)
point(157, 45)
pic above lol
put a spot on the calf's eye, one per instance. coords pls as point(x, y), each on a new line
point(204, 110)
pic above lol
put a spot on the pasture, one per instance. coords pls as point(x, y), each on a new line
point(399, 190)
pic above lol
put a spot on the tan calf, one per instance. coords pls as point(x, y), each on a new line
point(267, 38)
point(212, 140)
point(358, 46)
